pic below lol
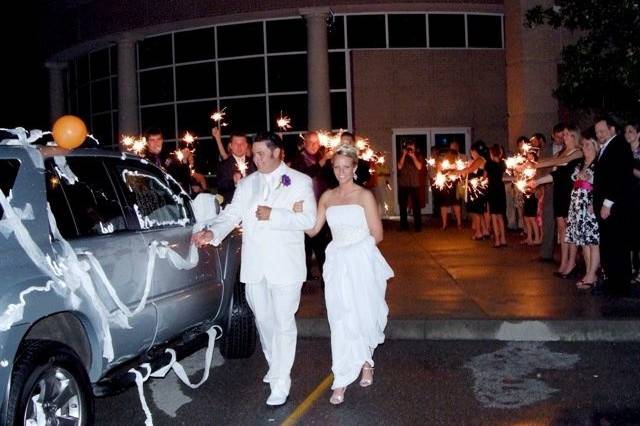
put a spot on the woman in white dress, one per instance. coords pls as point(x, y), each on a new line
point(355, 275)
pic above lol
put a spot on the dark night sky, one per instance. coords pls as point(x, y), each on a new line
point(24, 96)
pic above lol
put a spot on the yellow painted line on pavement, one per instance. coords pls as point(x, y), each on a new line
point(308, 402)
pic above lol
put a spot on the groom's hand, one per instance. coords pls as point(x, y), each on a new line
point(202, 238)
point(263, 212)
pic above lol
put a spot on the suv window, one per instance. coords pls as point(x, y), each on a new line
point(156, 200)
point(88, 206)
point(8, 173)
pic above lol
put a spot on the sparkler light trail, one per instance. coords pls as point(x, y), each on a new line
point(134, 144)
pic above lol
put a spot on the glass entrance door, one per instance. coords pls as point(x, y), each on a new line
point(429, 141)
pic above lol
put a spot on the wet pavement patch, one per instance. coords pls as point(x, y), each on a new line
point(509, 378)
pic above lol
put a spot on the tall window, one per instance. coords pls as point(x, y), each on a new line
point(256, 70)
point(93, 93)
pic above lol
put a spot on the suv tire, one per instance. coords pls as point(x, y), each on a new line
point(240, 338)
point(55, 367)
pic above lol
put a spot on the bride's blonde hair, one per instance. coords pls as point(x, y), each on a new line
point(348, 150)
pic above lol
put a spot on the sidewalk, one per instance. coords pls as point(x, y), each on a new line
point(448, 286)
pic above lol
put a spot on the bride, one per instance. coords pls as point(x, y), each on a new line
point(355, 274)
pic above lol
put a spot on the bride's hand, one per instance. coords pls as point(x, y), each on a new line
point(297, 206)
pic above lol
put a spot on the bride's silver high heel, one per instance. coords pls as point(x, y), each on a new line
point(368, 381)
point(337, 397)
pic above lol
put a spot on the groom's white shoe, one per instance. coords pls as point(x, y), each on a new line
point(277, 398)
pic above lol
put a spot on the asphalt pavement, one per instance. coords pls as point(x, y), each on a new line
point(415, 383)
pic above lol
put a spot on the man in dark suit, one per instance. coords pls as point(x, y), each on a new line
point(234, 168)
point(612, 180)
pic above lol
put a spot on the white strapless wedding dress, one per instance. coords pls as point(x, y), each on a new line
point(355, 277)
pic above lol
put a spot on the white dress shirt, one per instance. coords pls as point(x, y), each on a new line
point(607, 203)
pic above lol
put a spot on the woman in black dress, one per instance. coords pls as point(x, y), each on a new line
point(530, 207)
point(566, 162)
point(476, 196)
point(496, 194)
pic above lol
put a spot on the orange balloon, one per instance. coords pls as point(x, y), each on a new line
point(69, 131)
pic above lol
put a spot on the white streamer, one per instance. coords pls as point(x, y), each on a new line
point(178, 369)
point(64, 170)
point(143, 401)
point(15, 311)
point(26, 141)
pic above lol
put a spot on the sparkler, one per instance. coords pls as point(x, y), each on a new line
point(218, 117)
point(133, 144)
point(189, 138)
point(328, 140)
point(440, 180)
point(283, 122)
point(522, 172)
point(476, 186)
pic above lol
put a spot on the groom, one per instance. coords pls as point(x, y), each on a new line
point(273, 259)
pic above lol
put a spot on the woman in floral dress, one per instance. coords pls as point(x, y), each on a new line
point(582, 224)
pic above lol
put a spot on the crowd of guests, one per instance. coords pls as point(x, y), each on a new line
point(583, 200)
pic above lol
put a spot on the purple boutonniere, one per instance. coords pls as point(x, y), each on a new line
point(284, 181)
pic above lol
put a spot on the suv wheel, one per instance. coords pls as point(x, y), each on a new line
point(240, 339)
point(49, 386)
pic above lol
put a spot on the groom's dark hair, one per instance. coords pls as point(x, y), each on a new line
point(272, 140)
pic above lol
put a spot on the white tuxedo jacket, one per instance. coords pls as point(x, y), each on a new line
point(272, 249)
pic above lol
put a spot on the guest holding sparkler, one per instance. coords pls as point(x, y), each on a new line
point(565, 163)
point(409, 167)
point(530, 205)
point(515, 199)
point(476, 190)
point(153, 151)
point(496, 194)
point(582, 224)
point(237, 166)
point(217, 136)
point(314, 161)
point(155, 154)
point(632, 135)
point(446, 195)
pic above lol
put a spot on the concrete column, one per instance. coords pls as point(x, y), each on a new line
point(532, 59)
point(56, 89)
point(319, 95)
point(127, 86)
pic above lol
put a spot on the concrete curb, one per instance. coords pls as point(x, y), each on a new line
point(622, 330)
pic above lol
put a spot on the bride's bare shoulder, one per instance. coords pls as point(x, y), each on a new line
point(327, 196)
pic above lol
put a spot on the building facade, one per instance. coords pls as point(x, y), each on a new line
point(431, 71)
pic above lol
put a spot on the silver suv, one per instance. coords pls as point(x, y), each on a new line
point(62, 343)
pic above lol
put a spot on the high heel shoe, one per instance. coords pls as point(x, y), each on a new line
point(368, 381)
point(337, 397)
point(571, 274)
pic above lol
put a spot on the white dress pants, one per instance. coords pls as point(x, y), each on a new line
point(274, 307)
